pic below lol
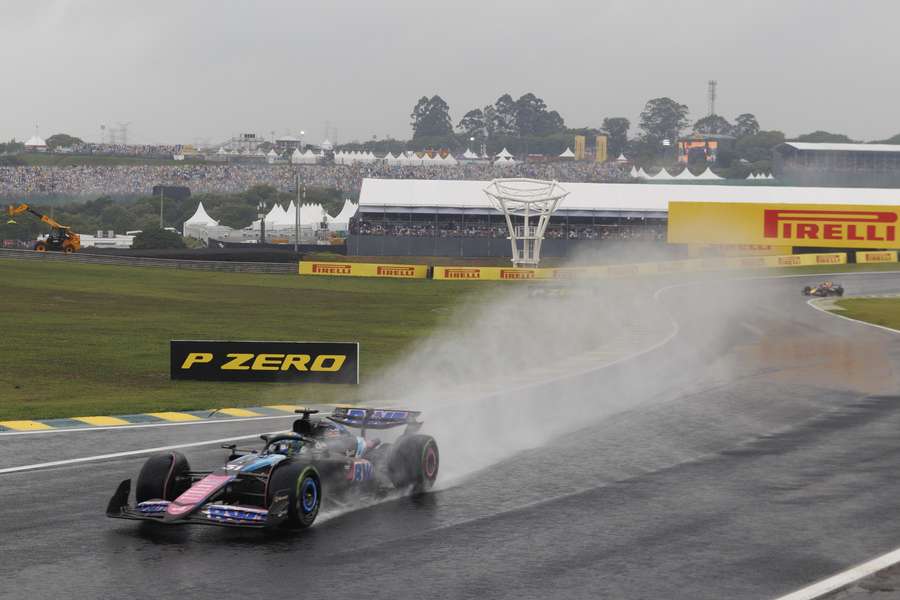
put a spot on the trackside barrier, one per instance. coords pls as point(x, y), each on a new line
point(348, 269)
point(888, 256)
point(632, 270)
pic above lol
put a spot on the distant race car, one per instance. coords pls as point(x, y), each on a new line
point(828, 288)
point(285, 483)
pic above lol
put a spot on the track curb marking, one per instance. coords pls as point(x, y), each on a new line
point(163, 418)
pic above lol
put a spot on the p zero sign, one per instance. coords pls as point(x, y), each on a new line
point(831, 226)
point(285, 362)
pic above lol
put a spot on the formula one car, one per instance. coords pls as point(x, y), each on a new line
point(828, 288)
point(285, 483)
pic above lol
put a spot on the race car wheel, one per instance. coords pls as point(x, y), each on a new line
point(807, 290)
point(840, 292)
point(163, 477)
point(304, 489)
point(414, 463)
point(40, 247)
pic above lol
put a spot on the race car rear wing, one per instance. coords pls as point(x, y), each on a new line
point(376, 418)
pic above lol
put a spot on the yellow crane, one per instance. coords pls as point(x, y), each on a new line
point(61, 238)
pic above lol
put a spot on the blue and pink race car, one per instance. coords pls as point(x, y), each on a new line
point(286, 482)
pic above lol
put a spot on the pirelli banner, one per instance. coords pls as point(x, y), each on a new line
point(285, 362)
point(348, 269)
point(638, 269)
point(886, 256)
point(491, 273)
point(817, 225)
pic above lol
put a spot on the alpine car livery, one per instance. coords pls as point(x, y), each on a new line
point(285, 483)
point(828, 288)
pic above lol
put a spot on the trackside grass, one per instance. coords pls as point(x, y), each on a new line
point(880, 311)
point(80, 340)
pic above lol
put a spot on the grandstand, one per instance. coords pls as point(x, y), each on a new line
point(863, 165)
point(403, 217)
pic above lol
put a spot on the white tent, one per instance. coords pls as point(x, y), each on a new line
point(290, 215)
point(469, 155)
point(567, 153)
point(505, 162)
point(271, 156)
point(296, 157)
point(685, 174)
point(504, 154)
point(221, 151)
point(641, 173)
point(633, 172)
point(36, 142)
point(708, 175)
point(770, 176)
point(450, 160)
point(622, 158)
point(342, 221)
point(662, 175)
point(200, 217)
point(311, 214)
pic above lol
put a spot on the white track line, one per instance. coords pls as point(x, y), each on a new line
point(845, 578)
point(813, 303)
point(86, 459)
point(210, 421)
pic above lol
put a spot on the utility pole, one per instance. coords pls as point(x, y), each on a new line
point(297, 219)
point(161, 196)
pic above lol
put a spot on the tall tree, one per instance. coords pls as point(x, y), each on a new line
point(617, 130)
point(745, 124)
point(758, 147)
point(418, 113)
point(490, 119)
point(472, 124)
point(533, 118)
point(505, 110)
point(824, 137)
point(431, 117)
point(663, 118)
point(713, 124)
point(62, 140)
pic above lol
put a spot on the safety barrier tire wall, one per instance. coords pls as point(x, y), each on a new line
point(169, 263)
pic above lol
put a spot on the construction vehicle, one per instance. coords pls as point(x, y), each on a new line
point(61, 237)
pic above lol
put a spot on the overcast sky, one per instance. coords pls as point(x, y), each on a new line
point(194, 71)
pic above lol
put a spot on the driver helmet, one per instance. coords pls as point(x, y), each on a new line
point(287, 447)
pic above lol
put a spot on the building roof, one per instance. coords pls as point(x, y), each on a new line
point(431, 196)
point(844, 147)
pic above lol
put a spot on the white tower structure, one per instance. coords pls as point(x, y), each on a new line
point(526, 200)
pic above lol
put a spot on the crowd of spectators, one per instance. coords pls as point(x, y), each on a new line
point(230, 178)
point(623, 230)
point(142, 150)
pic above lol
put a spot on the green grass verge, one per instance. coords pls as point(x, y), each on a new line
point(79, 340)
point(880, 311)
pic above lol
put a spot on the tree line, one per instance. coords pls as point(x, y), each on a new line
point(527, 124)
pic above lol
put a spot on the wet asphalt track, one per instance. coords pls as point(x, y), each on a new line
point(758, 457)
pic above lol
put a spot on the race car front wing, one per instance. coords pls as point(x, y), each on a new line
point(209, 513)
